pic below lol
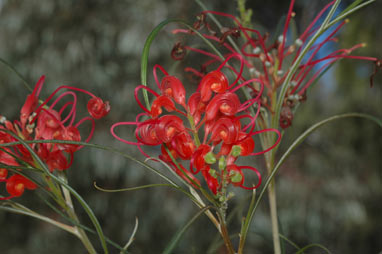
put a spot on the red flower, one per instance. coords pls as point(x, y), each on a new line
point(146, 134)
point(3, 174)
point(16, 185)
point(159, 102)
point(214, 81)
point(97, 108)
point(225, 129)
point(183, 145)
point(167, 127)
point(226, 103)
point(212, 181)
point(197, 160)
point(172, 87)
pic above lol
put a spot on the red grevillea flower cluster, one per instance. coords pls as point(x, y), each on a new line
point(201, 133)
point(40, 121)
point(266, 60)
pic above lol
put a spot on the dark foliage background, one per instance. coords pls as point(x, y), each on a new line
point(329, 190)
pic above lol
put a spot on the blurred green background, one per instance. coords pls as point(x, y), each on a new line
point(329, 190)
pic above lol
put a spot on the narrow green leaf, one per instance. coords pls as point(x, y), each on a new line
point(145, 56)
point(351, 6)
point(174, 241)
point(9, 66)
point(279, 29)
point(282, 244)
point(26, 211)
point(294, 145)
point(83, 203)
point(131, 239)
point(290, 242)
point(105, 148)
point(147, 46)
point(311, 246)
point(349, 11)
point(132, 188)
point(246, 222)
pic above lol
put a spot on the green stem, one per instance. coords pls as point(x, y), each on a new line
point(194, 130)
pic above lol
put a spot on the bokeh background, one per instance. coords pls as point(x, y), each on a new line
point(329, 190)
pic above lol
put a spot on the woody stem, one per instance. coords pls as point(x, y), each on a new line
point(224, 233)
point(270, 163)
point(273, 210)
point(72, 214)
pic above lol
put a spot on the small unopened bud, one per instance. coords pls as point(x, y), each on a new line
point(236, 177)
point(257, 74)
point(299, 42)
point(280, 72)
point(209, 158)
point(256, 50)
point(2, 119)
point(32, 116)
point(280, 38)
point(230, 195)
point(30, 127)
point(236, 151)
point(222, 163)
point(262, 57)
point(268, 64)
point(213, 173)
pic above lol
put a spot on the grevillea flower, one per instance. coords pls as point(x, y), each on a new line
point(266, 61)
point(51, 119)
point(191, 134)
point(97, 108)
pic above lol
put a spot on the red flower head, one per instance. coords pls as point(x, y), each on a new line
point(214, 105)
point(97, 108)
point(52, 119)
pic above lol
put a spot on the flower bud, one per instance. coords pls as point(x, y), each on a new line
point(236, 151)
point(209, 158)
point(222, 163)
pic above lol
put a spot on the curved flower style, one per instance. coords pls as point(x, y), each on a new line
point(269, 61)
point(45, 122)
point(205, 132)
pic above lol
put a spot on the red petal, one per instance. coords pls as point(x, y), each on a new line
point(214, 81)
point(172, 87)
